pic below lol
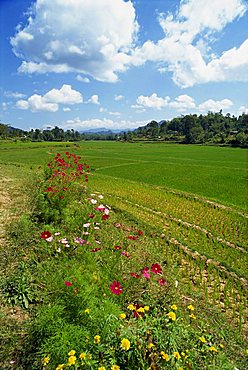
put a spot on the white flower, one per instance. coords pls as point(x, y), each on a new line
point(93, 201)
point(59, 250)
point(57, 233)
point(100, 196)
point(67, 245)
point(64, 241)
point(50, 239)
point(87, 224)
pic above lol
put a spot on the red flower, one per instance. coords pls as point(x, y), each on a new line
point(45, 234)
point(146, 272)
point(105, 217)
point(117, 247)
point(140, 232)
point(162, 282)
point(133, 237)
point(91, 215)
point(96, 249)
point(116, 287)
point(124, 253)
point(156, 269)
point(133, 274)
point(68, 283)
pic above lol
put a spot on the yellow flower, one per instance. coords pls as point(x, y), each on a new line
point(60, 367)
point(192, 316)
point(172, 316)
point(174, 307)
point(146, 308)
point(141, 309)
point(213, 349)
point(46, 360)
point(89, 356)
point(82, 356)
point(131, 307)
point(202, 339)
point(176, 355)
point(180, 368)
point(122, 316)
point(165, 356)
point(72, 360)
point(150, 345)
point(102, 368)
point(71, 353)
point(115, 367)
point(191, 308)
point(221, 345)
point(246, 352)
point(87, 310)
point(125, 344)
point(97, 339)
point(184, 355)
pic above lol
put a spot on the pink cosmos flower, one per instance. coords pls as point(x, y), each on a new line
point(116, 287)
point(125, 254)
point(146, 272)
point(156, 269)
point(105, 217)
point(68, 283)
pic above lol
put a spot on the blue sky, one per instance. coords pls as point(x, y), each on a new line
point(118, 64)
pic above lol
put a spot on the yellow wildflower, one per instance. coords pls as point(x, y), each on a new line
point(150, 345)
point(102, 368)
point(172, 316)
point(125, 344)
point(177, 355)
point(60, 367)
point(46, 361)
point(165, 356)
point(122, 316)
point(213, 349)
point(82, 356)
point(72, 360)
point(221, 345)
point(97, 339)
point(180, 368)
point(202, 339)
point(184, 355)
point(71, 353)
point(87, 310)
point(246, 352)
point(89, 356)
point(192, 316)
point(115, 367)
point(141, 309)
point(174, 307)
point(131, 307)
point(146, 308)
point(191, 308)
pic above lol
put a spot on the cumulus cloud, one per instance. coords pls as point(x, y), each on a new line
point(152, 101)
point(186, 51)
point(215, 105)
point(61, 36)
point(118, 97)
point(14, 94)
point(94, 100)
point(79, 124)
point(183, 103)
point(51, 100)
point(82, 79)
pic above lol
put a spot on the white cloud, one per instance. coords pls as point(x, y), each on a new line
point(183, 103)
point(215, 105)
point(152, 101)
point(94, 99)
point(66, 109)
point(51, 100)
point(242, 110)
point(66, 95)
point(83, 79)
point(77, 36)
point(79, 124)
point(119, 97)
point(36, 103)
point(14, 94)
point(102, 110)
point(186, 48)
point(114, 113)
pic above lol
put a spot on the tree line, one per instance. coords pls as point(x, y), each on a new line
point(212, 128)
